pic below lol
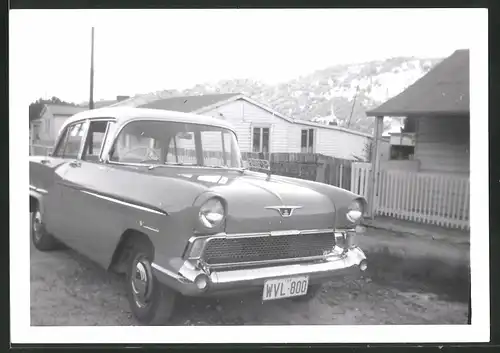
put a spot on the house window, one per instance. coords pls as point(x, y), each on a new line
point(260, 140)
point(307, 141)
point(401, 152)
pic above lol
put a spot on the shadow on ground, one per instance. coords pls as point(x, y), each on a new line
point(450, 281)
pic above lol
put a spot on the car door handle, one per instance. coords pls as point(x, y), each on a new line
point(75, 164)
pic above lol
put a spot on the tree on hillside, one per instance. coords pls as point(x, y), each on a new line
point(37, 106)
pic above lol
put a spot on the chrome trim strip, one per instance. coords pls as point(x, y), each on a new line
point(150, 228)
point(40, 190)
point(120, 202)
point(273, 262)
point(164, 270)
point(109, 122)
point(141, 223)
point(264, 234)
point(174, 166)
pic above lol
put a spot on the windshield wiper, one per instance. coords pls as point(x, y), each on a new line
point(153, 166)
point(226, 167)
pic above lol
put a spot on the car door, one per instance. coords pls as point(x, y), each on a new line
point(46, 173)
point(70, 151)
point(95, 230)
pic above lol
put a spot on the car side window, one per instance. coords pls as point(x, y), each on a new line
point(95, 140)
point(70, 145)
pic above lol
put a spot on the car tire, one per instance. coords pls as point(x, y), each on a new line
point(312, 292)
point(151, 302)
point(42, 240)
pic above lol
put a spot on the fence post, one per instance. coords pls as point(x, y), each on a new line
point(375, 167)
point(341, 174)
point(32, 139)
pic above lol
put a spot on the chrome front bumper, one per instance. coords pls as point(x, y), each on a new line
point(238, 280)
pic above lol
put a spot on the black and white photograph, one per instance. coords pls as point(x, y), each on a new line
point(249, 175)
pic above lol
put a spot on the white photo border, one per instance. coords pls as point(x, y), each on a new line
point(22, 332)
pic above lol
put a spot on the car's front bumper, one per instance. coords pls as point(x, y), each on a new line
point(238, 280)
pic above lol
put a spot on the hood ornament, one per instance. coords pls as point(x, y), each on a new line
point(284, 211)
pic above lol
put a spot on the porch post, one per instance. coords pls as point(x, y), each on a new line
point(32, 138)
point(375, 167)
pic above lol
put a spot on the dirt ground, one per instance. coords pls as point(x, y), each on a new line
point(67, 289)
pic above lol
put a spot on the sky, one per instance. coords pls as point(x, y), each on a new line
point(141, 51)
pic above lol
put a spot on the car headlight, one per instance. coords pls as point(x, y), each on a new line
point(355, 211)
point(212, 213)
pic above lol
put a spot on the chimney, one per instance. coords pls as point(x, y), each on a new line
point(122, 98)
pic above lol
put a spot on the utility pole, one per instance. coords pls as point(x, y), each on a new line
point(91, 99)
point(353, 103)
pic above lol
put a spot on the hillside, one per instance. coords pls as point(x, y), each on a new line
point(315, 96)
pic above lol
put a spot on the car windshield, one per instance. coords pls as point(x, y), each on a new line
point(173, 143)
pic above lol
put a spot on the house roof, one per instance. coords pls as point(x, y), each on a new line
point(443, 90)
point(99, 104)
point(64, 110)
point(205, 103)
point(123, 115)
point(188, 103)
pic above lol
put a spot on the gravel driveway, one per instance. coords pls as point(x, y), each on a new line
point(67, 289)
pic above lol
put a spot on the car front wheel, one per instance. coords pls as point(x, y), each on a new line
point(151, 302)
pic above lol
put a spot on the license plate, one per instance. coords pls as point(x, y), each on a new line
point(285, 287)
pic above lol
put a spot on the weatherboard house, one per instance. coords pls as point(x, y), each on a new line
point(259, 128)
point(429, 181)
point(46, 127)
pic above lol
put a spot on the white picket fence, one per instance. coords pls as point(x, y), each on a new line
point(433, 198)
point(360, 178)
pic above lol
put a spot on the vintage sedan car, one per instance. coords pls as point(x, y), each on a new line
point(162, 197)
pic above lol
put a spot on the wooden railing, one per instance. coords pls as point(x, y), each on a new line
point(310, 166)
point(433, 198)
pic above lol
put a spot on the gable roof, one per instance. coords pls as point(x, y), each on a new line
point(64, 110)
point(205, 103)
point(188, 104)
point(443, 90)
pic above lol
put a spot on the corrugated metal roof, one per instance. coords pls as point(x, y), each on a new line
point(443, 90)
point(188, 103)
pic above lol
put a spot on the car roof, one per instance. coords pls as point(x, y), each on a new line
point(123, 115)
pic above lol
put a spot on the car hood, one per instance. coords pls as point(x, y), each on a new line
point(253, 198)
point(254, 205)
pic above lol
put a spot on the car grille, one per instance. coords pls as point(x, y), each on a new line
point(266, 248)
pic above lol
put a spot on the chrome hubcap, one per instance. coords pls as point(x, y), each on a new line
point(37, 225)
point(141, 283)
